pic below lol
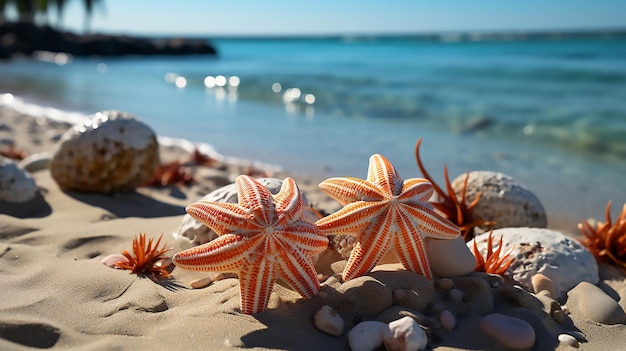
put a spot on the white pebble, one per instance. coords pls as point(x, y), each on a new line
point(328, 321)
point(447, 319)
point(405, 335)
point(367, 336)
point(568, 339)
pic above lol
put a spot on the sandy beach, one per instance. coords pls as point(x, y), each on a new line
point(56, 294)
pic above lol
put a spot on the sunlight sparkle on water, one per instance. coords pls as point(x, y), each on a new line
point(170, 77)
point(309, 99)
point(276, 87)
point(220, 80)
point(209, 82)
point(234, 81)
point(180, 82)
point(7, 98)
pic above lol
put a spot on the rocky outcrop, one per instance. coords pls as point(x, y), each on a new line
point(18, 38)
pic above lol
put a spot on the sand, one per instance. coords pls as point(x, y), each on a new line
point(55, 293)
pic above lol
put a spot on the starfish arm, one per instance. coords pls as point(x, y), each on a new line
point(348, 189)
point(431, 223)
point(418, 188)
point(256, 281)
point(308, 237)
point(298, 271)
point(289, 204)
point(222, 217)
point(370, 248)
point(382, 173)
point(408, 245)
point(351, 219)
point(226, 253)
point(256, 198)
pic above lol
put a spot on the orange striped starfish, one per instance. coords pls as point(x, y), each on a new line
point(385, 213)
point(262, 238)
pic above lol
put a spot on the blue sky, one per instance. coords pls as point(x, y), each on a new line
point(239, 17)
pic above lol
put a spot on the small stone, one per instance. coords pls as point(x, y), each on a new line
point(456, 295)
point(578, 335)
point(16, 184)
point(109, 152)
point(201, 283)
point(405, 335)
point(36, 162)
point(569, 340)
point(503, 200)
point(513, 333)
point(111, 260)
point(555, 255)
point(594, 304)
point(476, 295)
point(328, 321)
point(366, 296)
point(540, 282)
point(447, 319)
point(449, 258)
point(445, 283)
point(367, 336)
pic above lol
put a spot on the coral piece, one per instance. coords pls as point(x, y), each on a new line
point(262, 238)
point(144, 258)
point(449, 205)
point(493, 263)
point(385, 213)
point(171, 173)
point(109, 152)
point(607, 241)
point(14, 153)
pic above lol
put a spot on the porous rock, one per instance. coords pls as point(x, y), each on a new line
point(503, 200)
point(16, 185)
point(198, 233)
point(551, 253)
point(111, 151)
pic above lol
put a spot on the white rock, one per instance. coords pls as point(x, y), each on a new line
point(109, 152)
point(198, 233)
point(405, 335)
point(367, 336)
point(558, 257)
point(16, 185)
point(503, 200)
point(328, 321)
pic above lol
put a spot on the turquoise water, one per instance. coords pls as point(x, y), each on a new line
point(551, 113)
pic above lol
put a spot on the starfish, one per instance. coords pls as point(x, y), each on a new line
point(385, 213)
point(262, 238)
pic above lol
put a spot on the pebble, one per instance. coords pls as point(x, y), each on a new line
point(551, 253)
point(110, 152)
point(366, 296)
point(36, 162)
point(594, 304)
point(367, 336)
point(16, 184)
point(447, 320)
point(328, 321)
point(540, 282)
point(503, 200)
point(568, 339)
point(456, 295)
point(405, 335)
point(449, 258)
point(197, 232)
point(445, 283)
point(578, 335)
point(201, 283)
point(513, 333)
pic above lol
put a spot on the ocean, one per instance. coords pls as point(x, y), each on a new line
point(548, 110)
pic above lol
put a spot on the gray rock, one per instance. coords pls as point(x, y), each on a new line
point(503, 200)
point(109, 152)
point(16, 184)
point(553, 254)
point(198, 233)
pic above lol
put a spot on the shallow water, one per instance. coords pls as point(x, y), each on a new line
point(550, 113)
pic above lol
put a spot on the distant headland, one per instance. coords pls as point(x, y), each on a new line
point(26, 39)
